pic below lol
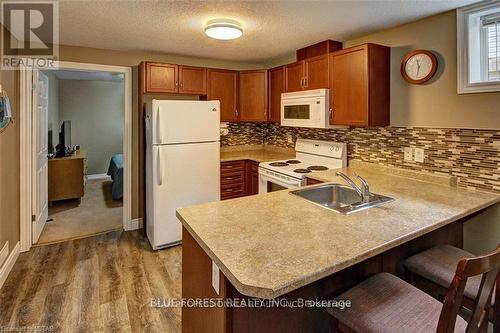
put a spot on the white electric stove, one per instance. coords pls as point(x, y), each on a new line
point(310, 156)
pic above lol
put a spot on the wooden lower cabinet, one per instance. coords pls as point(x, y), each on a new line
point(252, 170)
point(197, 284)
point(310, 181)
point(239, 179)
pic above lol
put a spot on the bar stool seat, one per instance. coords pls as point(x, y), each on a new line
point(438, 265)
point(385, 303)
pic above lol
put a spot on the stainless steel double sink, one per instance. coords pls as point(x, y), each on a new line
point(339, 198)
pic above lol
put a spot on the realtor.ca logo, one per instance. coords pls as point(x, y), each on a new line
point(30, 34)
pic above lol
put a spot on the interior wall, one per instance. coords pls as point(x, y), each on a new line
point(133, 59)
point(53, 112)
point(9, 165)
point(95, 109)
point(436, 103)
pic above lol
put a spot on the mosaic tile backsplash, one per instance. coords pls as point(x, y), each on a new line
point(469, 154)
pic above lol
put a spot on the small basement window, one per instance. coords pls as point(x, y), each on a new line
point(478, 28)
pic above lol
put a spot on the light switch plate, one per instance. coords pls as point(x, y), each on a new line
point(419, 155)
point(408, 154)
point(215, 278)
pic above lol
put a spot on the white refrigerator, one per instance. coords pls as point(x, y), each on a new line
point(182, 163)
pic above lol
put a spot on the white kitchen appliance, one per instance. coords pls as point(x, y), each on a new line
point(310, 108)
point(310, 156)
point(182, 163)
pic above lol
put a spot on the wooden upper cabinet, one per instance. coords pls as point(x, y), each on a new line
point(317, 72)
point(161, 78)
point(253, 95)
point(294, 76)
point(276, 88)
point(168, 78)
point(312, 73)
point(360, 88)
point(192, 80)
point(223, 86)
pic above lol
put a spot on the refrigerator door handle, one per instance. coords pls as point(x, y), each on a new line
point(159, 168)
point(158, 126)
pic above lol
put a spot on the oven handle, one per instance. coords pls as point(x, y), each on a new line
point(278, 181)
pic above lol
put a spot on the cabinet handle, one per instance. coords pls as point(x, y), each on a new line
point(236, 112)
point(331, 113)
point(182, 84)
point(305, 82)
point(229, 190)
point(176, 83)
point(229, 178)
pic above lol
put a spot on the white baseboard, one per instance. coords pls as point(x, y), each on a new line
point(4, 253)
point(9, 263)
point(98, 176)
point(135, 224)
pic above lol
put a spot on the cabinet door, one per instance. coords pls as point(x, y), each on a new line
point(294, 76)
point(253, 95)
point(276, 87)
point(350, 88)
point(223, 86)
point(192, 80)
point(317, 72)
point(161, 78)
point(252, 177)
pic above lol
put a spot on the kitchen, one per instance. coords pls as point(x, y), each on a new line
point(330, 166)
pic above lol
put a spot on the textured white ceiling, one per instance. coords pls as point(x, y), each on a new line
point(270, 28)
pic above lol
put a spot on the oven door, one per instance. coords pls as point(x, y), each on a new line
point(269, 183)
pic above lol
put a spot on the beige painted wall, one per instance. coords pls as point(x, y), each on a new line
point(132, 59)
point(435, 104)
point(53, 114)
point(9, 166)
point(95, 109)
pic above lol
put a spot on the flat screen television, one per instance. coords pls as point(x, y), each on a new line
point(64, 139)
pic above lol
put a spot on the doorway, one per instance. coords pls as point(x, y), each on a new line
point(79, 166)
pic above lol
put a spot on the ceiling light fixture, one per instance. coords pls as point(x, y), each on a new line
point(223, 29)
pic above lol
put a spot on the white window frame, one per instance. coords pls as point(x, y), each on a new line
point(464, 86)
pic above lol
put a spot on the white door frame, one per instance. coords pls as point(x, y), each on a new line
point(26, 137)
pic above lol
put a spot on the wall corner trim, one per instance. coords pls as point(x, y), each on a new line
point(9, 263)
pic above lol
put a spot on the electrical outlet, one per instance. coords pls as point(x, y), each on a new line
point(289, 138)
point(408, 154)
point(419, 155)
point(215, 278)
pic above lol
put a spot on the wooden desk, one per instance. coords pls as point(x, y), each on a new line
point(67, 176)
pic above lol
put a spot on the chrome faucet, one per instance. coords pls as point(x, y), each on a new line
point(363, 191)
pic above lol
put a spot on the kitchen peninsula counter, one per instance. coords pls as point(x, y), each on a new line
point(277, 244)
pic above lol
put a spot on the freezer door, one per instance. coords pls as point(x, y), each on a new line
point(185, 121)
point(181, 175)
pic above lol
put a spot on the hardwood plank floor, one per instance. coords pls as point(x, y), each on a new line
point(103, 283)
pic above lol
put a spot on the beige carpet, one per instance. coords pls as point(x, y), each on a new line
point(96, 213)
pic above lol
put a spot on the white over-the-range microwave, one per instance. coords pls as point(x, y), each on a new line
point(309, 108)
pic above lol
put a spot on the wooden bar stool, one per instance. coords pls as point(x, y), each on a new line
point(433, 270)
point(385, 303)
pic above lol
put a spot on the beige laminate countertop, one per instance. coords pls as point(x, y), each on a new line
point(257, 155)
point(273, 243)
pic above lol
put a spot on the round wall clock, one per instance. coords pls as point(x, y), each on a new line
point(418, 66)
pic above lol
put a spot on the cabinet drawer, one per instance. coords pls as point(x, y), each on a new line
point(232, 177)
point(229, 191)
point(233, 166)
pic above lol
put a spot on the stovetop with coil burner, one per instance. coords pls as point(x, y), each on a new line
point(311, 155)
